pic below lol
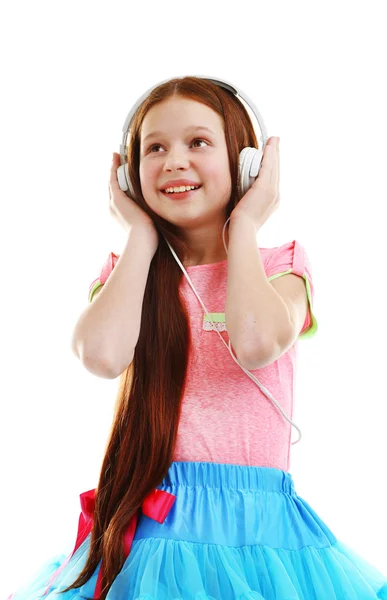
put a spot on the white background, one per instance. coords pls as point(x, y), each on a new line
point(70, 74)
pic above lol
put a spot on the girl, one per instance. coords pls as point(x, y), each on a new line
point(195, 500)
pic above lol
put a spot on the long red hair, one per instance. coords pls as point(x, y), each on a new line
point(141, 444)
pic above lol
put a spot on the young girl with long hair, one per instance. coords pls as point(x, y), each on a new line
point(195, 500)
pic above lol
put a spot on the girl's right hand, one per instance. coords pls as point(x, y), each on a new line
point(126, 211)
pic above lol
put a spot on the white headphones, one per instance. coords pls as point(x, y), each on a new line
point(249, 158)
point(249, 164)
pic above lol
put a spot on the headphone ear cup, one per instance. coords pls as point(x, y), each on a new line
point(249, 164)
point(124, 180)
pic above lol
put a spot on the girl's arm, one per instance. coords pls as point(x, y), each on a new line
point(106, 333)
point(257, 317)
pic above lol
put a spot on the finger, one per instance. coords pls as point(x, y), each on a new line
point(275, 162)
point(268, 172)
point(113, 181)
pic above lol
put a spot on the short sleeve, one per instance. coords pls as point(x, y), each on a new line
point(107, 268)
point(292, 258)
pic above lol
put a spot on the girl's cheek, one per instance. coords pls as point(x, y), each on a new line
point(147, 173)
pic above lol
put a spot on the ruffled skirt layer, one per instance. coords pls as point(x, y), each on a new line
point(233, 533)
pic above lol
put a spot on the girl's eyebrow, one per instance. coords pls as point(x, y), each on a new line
point(160, 133)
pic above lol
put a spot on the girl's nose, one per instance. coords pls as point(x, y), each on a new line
point(176, 159)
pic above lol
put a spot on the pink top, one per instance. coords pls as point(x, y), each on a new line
point(225, 417)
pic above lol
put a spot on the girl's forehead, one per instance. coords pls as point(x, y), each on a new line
point(179, 113)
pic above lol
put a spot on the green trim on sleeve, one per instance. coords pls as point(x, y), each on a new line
point(313, 328)
point(95, 287)
point(279, 274)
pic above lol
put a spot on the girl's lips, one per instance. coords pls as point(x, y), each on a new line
point(180, 195)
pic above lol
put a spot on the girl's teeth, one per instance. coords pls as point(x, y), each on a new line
point(182, 188)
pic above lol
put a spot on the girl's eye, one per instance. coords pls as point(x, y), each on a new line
point(193, 141)
point(199, 140)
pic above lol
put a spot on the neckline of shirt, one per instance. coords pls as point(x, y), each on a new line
point(207, 265)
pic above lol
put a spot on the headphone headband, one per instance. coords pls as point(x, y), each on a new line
point(221, 82)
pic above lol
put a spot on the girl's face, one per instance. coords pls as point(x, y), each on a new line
point(184, 139)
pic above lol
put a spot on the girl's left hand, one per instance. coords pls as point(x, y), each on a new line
point(263, 198)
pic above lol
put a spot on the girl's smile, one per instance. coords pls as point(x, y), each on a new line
point(182, 194)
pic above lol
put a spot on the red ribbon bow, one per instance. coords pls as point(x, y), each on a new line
point(156, 506)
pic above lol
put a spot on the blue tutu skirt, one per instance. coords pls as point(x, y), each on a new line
point(233, 533)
